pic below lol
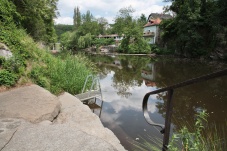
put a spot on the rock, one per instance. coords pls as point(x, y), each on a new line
point(8, 126)
point(4, 51)
point(76, 127)
point(79, 116)
point(59, 137)
point(31, 103)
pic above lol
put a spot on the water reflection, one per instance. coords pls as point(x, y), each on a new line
point(125, 81)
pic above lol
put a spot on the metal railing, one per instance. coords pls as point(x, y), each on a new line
point(165, 129)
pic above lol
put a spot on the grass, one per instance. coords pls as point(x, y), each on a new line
point(200, 137)
point(58, 75)
point(31, 63)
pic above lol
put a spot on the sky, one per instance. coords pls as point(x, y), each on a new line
point(106, 8)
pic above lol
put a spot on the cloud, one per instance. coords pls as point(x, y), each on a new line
point(64, 20)
point(133, 102)
point(108, 8)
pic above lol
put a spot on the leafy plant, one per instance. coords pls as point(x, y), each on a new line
point(2, 60)
point(14, 64)
point(7, 78)
point(185, 140)
point(198, 140)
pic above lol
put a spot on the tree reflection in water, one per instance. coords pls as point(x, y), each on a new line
point(210, 95)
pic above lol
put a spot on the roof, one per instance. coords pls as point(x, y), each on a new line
point(161, 16)
point(153, 22)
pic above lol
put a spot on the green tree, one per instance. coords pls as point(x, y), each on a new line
point(8, 13)
point(88, 17)
point(123, 20)
point(142, 20)
point(102, 22)
point(77, 18)
point(60, 29)
point(37, 18)
point(194, 31)
point(85, 41)
point(133, 41)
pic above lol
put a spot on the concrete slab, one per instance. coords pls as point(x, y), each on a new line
point(31, 103)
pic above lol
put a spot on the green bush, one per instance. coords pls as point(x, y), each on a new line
point(103, 42)
point(7, 78)
point(2, 60)
point(160, 51)
point(15, 65)
point(69, 74)
point(62, 74)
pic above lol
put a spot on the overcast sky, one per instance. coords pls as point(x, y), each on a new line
point(106, 8)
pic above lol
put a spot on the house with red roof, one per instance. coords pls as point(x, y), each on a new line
point(151, 30)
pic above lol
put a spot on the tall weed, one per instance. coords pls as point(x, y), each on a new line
point(198, 138)
point(64, 74)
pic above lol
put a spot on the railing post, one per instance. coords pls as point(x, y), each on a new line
point(169, 111)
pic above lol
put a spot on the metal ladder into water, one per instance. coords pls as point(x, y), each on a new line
point(94, 92)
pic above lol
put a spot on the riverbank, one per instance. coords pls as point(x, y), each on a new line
point(31, 118)
point(218, 63)
point(120, 54)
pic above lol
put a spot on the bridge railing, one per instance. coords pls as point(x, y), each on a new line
point(165, 129)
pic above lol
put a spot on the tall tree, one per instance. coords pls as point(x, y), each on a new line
point(123, 20)
point(77, 18)
point(126, 25)
point(142, 20)
point(193, 31)
point(37, 18)
point(88, 17)
point(102, 25)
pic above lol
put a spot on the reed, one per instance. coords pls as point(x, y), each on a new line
point(59, 74)
point(200, 137)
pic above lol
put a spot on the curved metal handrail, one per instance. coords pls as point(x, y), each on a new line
point(170, 89)
point(146, 114)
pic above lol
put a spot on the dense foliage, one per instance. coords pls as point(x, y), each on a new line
point(87, 28)
point(31, 64)
point(61, 29)
point(198, 28)
point(131, 29)
point(36, 17)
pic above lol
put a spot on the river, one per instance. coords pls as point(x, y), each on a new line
point(126, 79)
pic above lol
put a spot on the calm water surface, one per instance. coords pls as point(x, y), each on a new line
point(126, 79)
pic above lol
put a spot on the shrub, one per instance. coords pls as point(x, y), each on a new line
point(2, 60)
point(64, 73)
point(69, 74)
point(103, 42)
point(15, 65)
point(7, 78)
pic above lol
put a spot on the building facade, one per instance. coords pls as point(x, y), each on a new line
point(151, 30)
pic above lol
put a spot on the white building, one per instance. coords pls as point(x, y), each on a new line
point(151, 29)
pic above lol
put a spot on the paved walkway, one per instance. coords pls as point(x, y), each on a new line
point(31, 118)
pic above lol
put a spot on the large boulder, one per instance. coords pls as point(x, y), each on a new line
point(79, 116)
point(32, 103)
point(55, 137)
point(8, 127)
point(76, 128)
